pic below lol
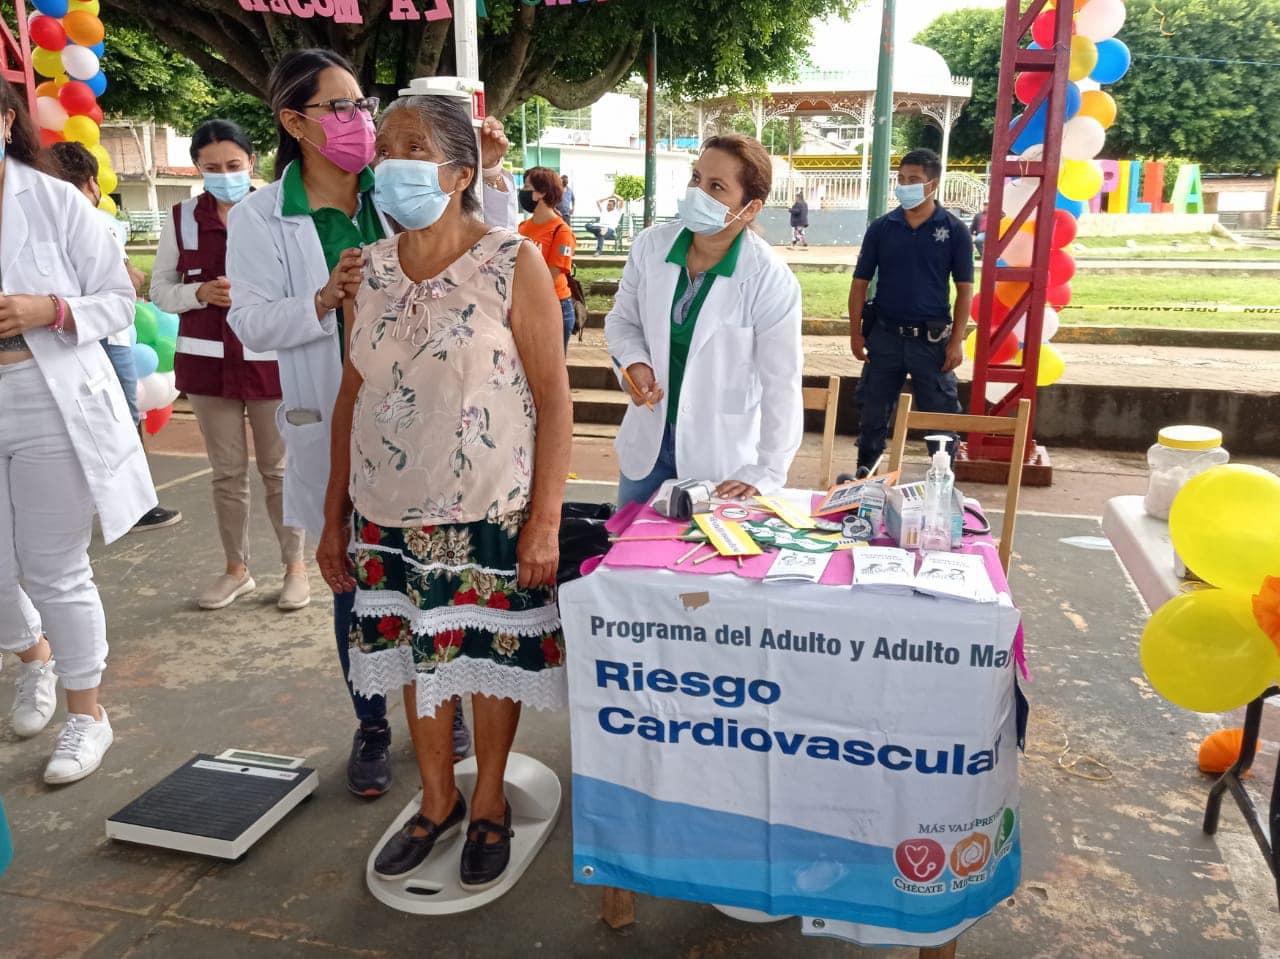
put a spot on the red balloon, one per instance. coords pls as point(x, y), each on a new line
point(77, 98)
point(998, 311)
point(1061, 267)
point(1006, 351)
point(1059, 296)
point(1027, 85)
point(1064, 229)
point(156, 419)
point(1043, 29)
point(47, 32)
point(96, 115)
point(49, 137)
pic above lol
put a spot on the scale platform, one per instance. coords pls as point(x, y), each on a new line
point(216, 805)
point(533, 791)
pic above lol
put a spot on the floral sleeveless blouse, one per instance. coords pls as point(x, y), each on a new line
point(444, 423)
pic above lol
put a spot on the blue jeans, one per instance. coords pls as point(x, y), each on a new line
point(640, 490)
point(570, 318)
point(601, 234)
point(122, 359)
point(369, 709)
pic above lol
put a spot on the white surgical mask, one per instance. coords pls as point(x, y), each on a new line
point(409, 192)
point(228, 187)
point(702, 213)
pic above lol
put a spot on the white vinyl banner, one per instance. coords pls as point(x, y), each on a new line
point(839, 754)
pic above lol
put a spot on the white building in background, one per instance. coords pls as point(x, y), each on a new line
point(153, 163)
point(614, 144)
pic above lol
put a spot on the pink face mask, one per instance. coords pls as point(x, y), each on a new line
point(348, 144)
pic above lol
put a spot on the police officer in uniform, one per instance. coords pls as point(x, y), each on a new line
point(911, 327)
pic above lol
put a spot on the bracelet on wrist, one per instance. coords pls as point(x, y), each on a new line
point(59, 314)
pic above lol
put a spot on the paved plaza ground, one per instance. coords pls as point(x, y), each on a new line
point(1114, 868)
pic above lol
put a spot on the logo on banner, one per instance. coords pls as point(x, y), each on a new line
point(920, 860)
point(970, 854)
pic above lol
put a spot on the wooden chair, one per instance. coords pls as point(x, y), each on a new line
point(1016, 426)
point(826, 399)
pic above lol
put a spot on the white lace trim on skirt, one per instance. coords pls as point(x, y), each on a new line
point(385, 671)
point(429, 567)
point(430, 622)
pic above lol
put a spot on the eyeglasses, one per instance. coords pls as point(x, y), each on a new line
point(345, 108)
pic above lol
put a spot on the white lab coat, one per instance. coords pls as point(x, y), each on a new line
point(741, 407)
point(52, 241)
point(275, 265)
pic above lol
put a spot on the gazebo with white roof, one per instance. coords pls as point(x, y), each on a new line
point(842, 82)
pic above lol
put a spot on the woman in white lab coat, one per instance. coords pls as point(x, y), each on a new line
point(68, 446)
point(292, 247)
point(706, 324)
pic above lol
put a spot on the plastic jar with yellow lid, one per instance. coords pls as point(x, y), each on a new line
point(1180, 453)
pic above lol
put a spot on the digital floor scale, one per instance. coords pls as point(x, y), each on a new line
point(216, 805)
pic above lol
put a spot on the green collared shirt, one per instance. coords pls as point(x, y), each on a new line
point(686, 305)
point(337, 231)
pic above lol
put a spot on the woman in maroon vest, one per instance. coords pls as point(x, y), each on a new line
point(224, 381)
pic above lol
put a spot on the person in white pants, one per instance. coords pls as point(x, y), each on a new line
point(68, 449)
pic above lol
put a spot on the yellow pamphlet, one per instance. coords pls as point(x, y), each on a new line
point(726, 535)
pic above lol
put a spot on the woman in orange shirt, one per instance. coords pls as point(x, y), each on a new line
point(552, 236)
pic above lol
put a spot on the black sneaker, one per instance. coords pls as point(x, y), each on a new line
point(158, 518)
point(369, 768)
point(861, 474)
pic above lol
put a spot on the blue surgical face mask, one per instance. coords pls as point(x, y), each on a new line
point(702, 213)
point(409, 192)
point(228, 187)
point(910, 195)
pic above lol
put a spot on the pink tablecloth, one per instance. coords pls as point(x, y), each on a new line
point(638, 520)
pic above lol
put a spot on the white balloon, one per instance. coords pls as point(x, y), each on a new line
point(1017, 193)
point(50, 114)
point(997, 391)
point(170, 389)
point(1048, 330)
point(81, 63)
point(1083, 138)
point(152, 392)
point(1020, 250)
point(1100, 19)
point(1087, 84)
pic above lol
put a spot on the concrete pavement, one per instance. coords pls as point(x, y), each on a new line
point(1114, 868)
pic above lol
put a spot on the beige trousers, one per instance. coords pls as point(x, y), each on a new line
point(222, 422)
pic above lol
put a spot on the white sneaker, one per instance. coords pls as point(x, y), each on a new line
point(225, 590)
point(36, 698)
point(81, 745)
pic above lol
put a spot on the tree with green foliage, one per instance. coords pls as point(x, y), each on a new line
point(628, 187)
point(571, 55)
point(1204, 82)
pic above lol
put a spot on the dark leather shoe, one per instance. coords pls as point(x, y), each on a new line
point(483, 863)
point(406, 851)
point(369, 768)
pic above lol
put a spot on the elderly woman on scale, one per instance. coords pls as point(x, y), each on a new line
point(291, 248)
point(451, 438)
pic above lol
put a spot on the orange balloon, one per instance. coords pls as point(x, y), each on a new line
point(1100, 105)
point(1010, 293)
point(83, 28)
point(47, 89)
point(1220, 750)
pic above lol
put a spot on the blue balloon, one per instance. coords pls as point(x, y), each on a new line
point(166, 325)
point(1074, 99)
point(1074, 207)
point(1032, 134)
point(145, 360)
point(98, 83)
point(1114, 59)
point(52, 8)
point(99, 48)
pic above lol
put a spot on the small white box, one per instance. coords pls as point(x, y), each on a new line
point(904, 515)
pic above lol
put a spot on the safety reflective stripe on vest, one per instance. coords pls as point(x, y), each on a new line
point(213, 349)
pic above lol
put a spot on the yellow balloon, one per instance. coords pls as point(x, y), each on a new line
point(47, 63)
point(1100, 105)
point(971, 345)
point(1225, 525)
point(107, 179)
point(88, 6)
point(1052, 366)
point(1080, 179)
point(1204, 651)
point(102, 156)
point(1084, 57)
point(107, 204)
point(81, 129)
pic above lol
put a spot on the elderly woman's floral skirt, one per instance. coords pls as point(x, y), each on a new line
point(439, 606)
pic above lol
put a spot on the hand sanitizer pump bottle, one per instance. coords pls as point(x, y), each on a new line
point(939, 486)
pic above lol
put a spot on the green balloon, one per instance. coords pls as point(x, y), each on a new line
point(165, 349)
point(144, 320)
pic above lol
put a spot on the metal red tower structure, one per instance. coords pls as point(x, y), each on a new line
point(15, 55)
point(988, 456)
